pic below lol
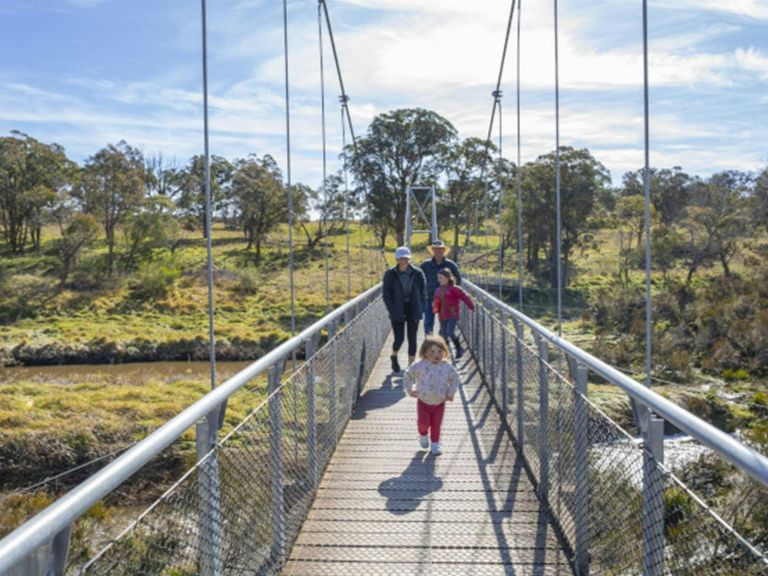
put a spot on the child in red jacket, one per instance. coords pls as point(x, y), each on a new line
point(447, 306)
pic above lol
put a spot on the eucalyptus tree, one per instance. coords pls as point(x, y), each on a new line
point(163, 176)
point(464, 164)
point(760, 200)
point(259, 198)
point(402, 148)
point(190, 182)
point(152, 227)
point(331, 206)
point(111, 188)
point(723, 211)
point(582, 181)
point(79, 233)
point(670, 190)
point(31, 175)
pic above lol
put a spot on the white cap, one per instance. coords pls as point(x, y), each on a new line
point(402, 252)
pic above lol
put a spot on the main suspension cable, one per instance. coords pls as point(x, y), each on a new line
point(501, 72)
point(208, 202)
point(345, 110)
point(496, 102)
point(338, 72)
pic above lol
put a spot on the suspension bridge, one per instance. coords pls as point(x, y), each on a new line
point(325, 476)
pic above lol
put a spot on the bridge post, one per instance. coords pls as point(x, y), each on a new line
point(581, 438)
point(484, 338)
point(209, 495)
point(310, 347)
point(276, 468)
point(332, 382)
point(519, 333)
point(481, 339)
point(48, 560)
point(543, 349)
point(476, 332)
point(492, 353)
point(503, 360)
point(653, 498)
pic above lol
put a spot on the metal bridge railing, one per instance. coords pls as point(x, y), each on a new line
point(617, 509)
point(240, 507)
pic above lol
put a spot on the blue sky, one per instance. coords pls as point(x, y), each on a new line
point(85, 73)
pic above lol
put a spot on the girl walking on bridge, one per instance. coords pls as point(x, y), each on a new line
point(432, 380)
point(447, 306)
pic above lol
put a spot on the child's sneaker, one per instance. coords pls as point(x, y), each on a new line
point(436, 448)
point(424, 442)
point(395, 364)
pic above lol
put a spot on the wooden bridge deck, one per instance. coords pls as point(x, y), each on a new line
point(386, 507)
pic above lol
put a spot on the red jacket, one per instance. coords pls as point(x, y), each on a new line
point(448, 301)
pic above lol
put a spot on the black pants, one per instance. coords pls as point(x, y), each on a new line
point(399, 329)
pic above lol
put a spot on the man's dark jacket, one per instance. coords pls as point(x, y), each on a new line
point(431, 268)
point(394, 299)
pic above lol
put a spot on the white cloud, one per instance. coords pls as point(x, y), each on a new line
point(752, 60)
point(756, 9)
point(442, 56)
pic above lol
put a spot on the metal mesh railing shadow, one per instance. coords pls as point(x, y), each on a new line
point(240, 508)
point(615, 507)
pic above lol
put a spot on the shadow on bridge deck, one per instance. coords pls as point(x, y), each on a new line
point(386, 507)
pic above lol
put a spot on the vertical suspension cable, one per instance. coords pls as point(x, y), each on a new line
point(519, 175)
point(288, 170)
point(647, 193)
point(346, 196)
point(557, 183)
point(325, 164)
point(498, 95)
point(208, 208)
point(485, 233)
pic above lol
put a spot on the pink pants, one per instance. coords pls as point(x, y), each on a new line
point(430, 418)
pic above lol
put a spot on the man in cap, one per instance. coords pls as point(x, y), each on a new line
point(430, 268)
point(405, 296)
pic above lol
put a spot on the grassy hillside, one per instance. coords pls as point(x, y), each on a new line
point(159, 312)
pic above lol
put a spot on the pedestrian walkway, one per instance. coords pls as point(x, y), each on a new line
point(386, 507)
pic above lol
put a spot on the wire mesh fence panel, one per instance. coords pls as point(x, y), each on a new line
point(615, 507)
point(239, 510)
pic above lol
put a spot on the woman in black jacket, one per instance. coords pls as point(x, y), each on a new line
point(405, 296)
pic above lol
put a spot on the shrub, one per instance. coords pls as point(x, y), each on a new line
point(248, 281)
point(90, 273)
point(155, 280)
point(735, 375)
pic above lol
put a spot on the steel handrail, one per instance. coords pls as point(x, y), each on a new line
point(43, 527)
point(741, 456)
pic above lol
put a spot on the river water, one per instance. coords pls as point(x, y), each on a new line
point(121, 373)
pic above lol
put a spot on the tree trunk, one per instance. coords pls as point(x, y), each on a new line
point(110, 249)
point(691, 271)
point(724, 264)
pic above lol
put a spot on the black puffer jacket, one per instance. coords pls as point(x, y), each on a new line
point(394, 298)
